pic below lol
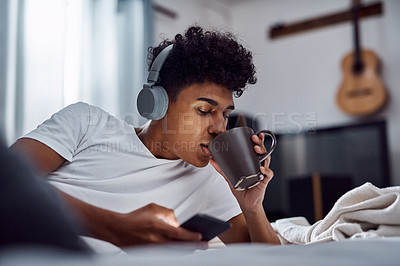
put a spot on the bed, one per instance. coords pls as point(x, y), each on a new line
point(381, 251)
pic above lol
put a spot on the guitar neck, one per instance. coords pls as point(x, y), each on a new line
point(358, 64)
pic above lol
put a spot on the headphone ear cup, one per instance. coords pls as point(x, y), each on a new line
point(152, 102)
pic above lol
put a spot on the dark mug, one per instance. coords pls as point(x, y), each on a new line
point(234, 152)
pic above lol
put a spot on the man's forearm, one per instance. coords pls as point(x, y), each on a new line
point(98, 222)
point(141, 226)
point(260, 230)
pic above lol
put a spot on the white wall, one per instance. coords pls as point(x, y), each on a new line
point(299, 75)
point(189, 12)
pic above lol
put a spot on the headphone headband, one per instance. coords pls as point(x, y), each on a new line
point(154, 72)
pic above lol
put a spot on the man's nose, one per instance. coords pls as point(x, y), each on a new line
point(218, 126)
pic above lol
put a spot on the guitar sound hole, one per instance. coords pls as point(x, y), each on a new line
point(359, 92)
point(358, 68)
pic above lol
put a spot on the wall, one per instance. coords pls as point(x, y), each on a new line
point(189, 12)
point(299, 75)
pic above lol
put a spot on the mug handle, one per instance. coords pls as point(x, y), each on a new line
point(273, 144)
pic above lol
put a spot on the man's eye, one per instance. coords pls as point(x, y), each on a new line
point(202, 112)
point(226, 116)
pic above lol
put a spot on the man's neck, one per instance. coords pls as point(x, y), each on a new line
point(152, 137)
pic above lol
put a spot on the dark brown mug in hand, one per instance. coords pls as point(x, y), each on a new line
point(234, 152)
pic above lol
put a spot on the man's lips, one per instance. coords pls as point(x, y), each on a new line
point(206, 151)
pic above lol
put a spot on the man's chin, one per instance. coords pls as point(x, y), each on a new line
point(200, 163)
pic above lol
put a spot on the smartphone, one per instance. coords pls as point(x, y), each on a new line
point(209, 227)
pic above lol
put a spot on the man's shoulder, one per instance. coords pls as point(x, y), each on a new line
point(85, 107)
point(81, 106)
point(90, 113)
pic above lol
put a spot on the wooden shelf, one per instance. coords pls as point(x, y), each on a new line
point(280, 30)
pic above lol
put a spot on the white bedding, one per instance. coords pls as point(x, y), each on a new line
point(364, 212)
point(363, 252)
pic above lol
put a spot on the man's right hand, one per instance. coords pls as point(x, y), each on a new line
point(151, 224)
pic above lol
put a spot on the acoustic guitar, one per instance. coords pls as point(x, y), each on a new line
point(361, 92)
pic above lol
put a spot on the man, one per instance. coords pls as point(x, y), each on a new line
point(133, 185)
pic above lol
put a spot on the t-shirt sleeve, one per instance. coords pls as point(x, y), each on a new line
point(64, 130)
point(220, 201)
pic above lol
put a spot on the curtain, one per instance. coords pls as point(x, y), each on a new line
point(57, 52)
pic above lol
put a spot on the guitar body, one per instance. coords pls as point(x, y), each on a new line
point(361, 93)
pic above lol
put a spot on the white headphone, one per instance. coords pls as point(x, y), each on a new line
point(152, 101)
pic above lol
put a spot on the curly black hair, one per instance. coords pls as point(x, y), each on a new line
point(201, 56)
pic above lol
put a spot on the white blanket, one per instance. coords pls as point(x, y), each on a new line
point(364, 212)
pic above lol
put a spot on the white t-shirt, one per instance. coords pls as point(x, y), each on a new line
point(109, 167)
